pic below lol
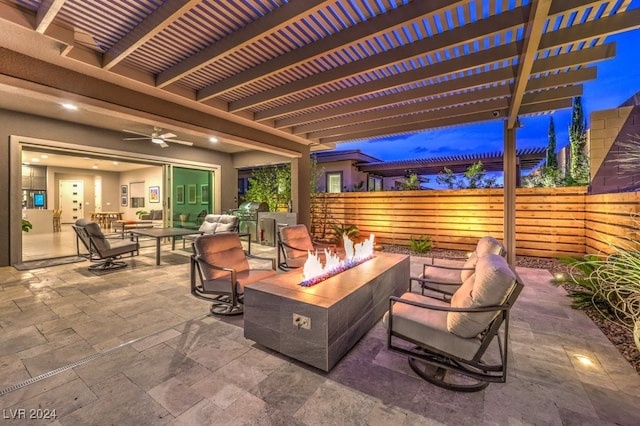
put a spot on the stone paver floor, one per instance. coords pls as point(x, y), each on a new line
point(134, 347)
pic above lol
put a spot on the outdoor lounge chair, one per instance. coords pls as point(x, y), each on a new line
point(100, 249)
point(220, 270)
point(294, 245)
point(446, 279)
point(461, 346)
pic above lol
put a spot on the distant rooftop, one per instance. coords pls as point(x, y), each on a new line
point(494, 161)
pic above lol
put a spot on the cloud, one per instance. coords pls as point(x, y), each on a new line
point(420, 150)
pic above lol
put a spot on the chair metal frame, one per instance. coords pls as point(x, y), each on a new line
point(102, 262)
point(282, 247)
point(445, 293)
point(477, 372)
point(223, 303)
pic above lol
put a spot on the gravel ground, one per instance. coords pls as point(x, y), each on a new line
point(621, 337)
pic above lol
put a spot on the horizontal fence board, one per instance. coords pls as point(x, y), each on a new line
point(550, 222)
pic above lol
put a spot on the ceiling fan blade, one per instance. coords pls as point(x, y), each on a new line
point(135, 133)
point(163, 145)
point(135, 139)
point(180, 142)
point(167, 136)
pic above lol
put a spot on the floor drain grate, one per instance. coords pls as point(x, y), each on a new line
point(90, 358)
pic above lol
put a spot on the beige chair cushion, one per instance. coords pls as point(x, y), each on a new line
point(489, 245)
point(208, 227)
point(429, 326)
point(469, 267)
point(488, 286)
point(227, 223)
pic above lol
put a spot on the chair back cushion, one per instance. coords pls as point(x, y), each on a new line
point(487, 245)
point(223, 250)
point(296, 236)
point(469, 267)
point(227, 223)
point(208, 227)
point(97, 237)
point(490, 285)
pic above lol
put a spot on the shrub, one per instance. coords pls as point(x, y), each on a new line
point(421, 244)
point(610, 284)
point(339, 230)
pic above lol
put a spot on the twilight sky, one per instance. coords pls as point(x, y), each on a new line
point(617, 81)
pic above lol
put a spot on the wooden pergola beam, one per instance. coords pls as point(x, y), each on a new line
point(533, 34)
point(394, 19)
point(46, 13)
point(279, 18)
point(159, 20)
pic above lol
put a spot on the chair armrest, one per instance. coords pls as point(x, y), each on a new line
point(493, 308)
point(201, 261)
point(460, 258)
point(291, 247)
point(452, 268)
point(428, 281)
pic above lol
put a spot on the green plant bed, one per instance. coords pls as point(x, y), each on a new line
point(420, 245)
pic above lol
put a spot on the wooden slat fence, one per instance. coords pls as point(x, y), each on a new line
point(550, 222)
point(610, 220)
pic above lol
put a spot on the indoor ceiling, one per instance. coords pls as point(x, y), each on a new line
point(50, 158)
point(320, 72)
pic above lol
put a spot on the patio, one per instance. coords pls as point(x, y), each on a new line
point(134, 347)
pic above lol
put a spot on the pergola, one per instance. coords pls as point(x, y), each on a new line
point(319, 72)
point(527, 159)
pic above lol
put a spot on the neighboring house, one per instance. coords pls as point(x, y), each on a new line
point(614, 146)
point(353, 170)
point(342, 172)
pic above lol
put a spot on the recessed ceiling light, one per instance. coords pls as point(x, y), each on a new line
point(70, 107)
point(44, 156)
point(95, 166)
point(213, 139)
point(35, 160)
point(115, 163)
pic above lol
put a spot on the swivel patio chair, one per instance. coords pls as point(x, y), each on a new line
point(220, 270)
point(294, 245)
point(101, 250)
point(446, 279)
point(462, 346)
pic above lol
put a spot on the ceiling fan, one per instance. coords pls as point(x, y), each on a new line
point(157, 137)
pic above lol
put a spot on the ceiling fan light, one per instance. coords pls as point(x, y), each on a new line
point(157, 140)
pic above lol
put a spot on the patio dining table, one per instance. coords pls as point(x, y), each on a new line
point(159, 234)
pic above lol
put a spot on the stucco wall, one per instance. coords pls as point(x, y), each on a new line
point(89, 139)
point(610, 130)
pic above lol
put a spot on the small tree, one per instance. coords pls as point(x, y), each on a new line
point(410, 183)
point(474, 177)
point(271, 185)
point(579, 166)
point(552, 160)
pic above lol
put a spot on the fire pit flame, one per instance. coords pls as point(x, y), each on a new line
point(314, 272)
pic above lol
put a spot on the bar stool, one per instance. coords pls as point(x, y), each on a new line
point(57, 225)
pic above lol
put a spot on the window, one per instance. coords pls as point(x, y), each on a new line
point(375, 183)
point(334, 182)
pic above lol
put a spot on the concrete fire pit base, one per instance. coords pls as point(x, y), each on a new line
point(318, 325)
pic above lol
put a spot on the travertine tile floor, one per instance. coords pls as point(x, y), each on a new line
point(133, 347)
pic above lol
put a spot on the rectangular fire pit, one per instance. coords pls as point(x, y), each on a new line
point(340, 310)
